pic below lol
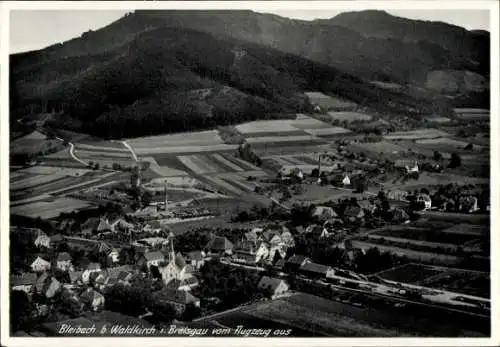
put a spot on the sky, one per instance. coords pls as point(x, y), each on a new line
point(36, 29)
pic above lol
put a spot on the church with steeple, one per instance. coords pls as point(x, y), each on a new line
point(175, 271)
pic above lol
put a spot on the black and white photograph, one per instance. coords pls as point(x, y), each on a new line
point(272, 171)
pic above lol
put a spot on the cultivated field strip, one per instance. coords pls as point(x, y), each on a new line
point(221, 184)
point(411, 254)
point(281, 139)
point(47, 210)
point(427, 133)
point(243, 163)
point(226, 162)
point(36, 180)
point(190, 164)
point(327, 102)
point(118, 148)
point(327, 131)
point(191, 139)
point(349, 116)
point(163, 170)
point(183, 149)
point(102, 154)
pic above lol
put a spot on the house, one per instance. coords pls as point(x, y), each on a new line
point(75, 277)
point(50, 287)
point(317, 231)
point(104, 225)
point(90, 226)
point(153, 258)
point(179, 299)
point(56, 240)
point(274, 286)
point(40, 282)
point(40, 265)
point(124, 277)
point(251, 236)
point(346, 181)
point(123, 225)
point(353, 212)
point(248, 252)
point(288, 239)
point(91, 268)
point(311, 269)
point(42, 240)
point(92, 299)
point(409, 166)
point(368, 206)
point(101, 248)
point(425, 200)
point(295, 262)
point(288, 172)
point(25, 282)
point(272, 237)
point(114, 255)
point(153, 227)
point(351, 255)
point(65, 225)
point(397, 195)
point(323, 213)
point(196, 259)
point(63, 261)
point(219, 245)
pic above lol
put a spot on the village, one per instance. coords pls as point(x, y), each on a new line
point(264, 223)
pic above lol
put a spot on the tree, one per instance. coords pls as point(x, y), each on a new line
point(20, 311)
point(455, 160)
point(315, 172)
point(191, 312)
point(437, 156)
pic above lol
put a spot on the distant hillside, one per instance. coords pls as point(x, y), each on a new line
point(164, 71)
point(469, 49)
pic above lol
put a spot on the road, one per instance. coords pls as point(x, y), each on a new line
point(72, 153)
point(130, 149)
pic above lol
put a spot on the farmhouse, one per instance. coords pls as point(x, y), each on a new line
point(40, 265)
point(63, 261)
point(42, 240)
point(273, 286)
point(25, 282)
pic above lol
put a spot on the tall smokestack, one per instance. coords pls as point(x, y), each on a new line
point(166, 197)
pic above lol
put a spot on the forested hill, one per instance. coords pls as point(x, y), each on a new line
point(171, 79)
point(165, 71)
